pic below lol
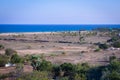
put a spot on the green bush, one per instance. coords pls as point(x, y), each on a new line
point(16, 59)
point(79, 77)
point(45, 66)
point(1, 47)
point(36, 75)
point(64, 78)
point(111, 58)
point(67, 68)
point(113, 76)
point(115, 65)
point(10, 52)
point(116, 44)
point(103, 46)
point(97, 50)
point(3, 60)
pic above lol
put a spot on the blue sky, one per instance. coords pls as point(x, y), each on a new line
point(59, 11)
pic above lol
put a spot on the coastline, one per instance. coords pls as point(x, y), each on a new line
point(19, 33)
point(30, 33)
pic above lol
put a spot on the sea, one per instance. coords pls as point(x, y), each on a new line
point(15, 28)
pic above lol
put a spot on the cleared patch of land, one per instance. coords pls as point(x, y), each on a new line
point(60, 47)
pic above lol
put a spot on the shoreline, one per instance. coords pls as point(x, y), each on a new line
point(29, 33)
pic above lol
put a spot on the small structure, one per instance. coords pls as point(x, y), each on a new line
point(9, 65)
point(119, 34)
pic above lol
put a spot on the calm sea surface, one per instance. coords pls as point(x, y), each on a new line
point(50, 28)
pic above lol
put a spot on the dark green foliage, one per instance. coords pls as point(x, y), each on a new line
point(42, 65)
point(1, 47)
point(116, 44)
point(3, 76)
point(67, 68)
point(35, 64)
point(113, 76)
point(15, 58)
point(3, 60)
point(111, 58)
point(71, 71)
point(79, 77)
point(115, 65)
point(45, 70)
point(103, 46)
point(36, 75)
point(35, 61)
point(64, 78)
point(10, 52)
point(112, 71)
point(97, 50)
point(113, 39)
point(45, 66)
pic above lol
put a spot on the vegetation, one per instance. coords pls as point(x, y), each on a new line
point(15, 58)
point(10, 52)
point(35, 75)
point(1, 47)
point(3, 60)
point(115, 39)
point(103, 46)
point(116, 44)
point(45, 70)
point(97, 50)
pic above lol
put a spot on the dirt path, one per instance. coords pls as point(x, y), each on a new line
point(50, 50)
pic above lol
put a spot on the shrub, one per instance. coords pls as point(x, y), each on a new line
point(35, 76)
point(113, 76)
point(3, 60)
point(103, 46)
point(10, 52)
point(16, 59)
point(116, 44)
point(79, 77)
point(45, 66)
point(67, 68)
point(115, 65)
point(63, 53)
point(4, 76)
point(1, 47)
point(111, 58)
point(64, 78)
point(97, 50)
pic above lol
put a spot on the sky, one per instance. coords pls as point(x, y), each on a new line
point(59, 11)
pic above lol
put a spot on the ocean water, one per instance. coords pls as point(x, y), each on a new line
point(50, 28)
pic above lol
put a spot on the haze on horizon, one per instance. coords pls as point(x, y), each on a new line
point(59, 11)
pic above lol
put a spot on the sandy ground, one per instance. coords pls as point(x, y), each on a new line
point(53, 45)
